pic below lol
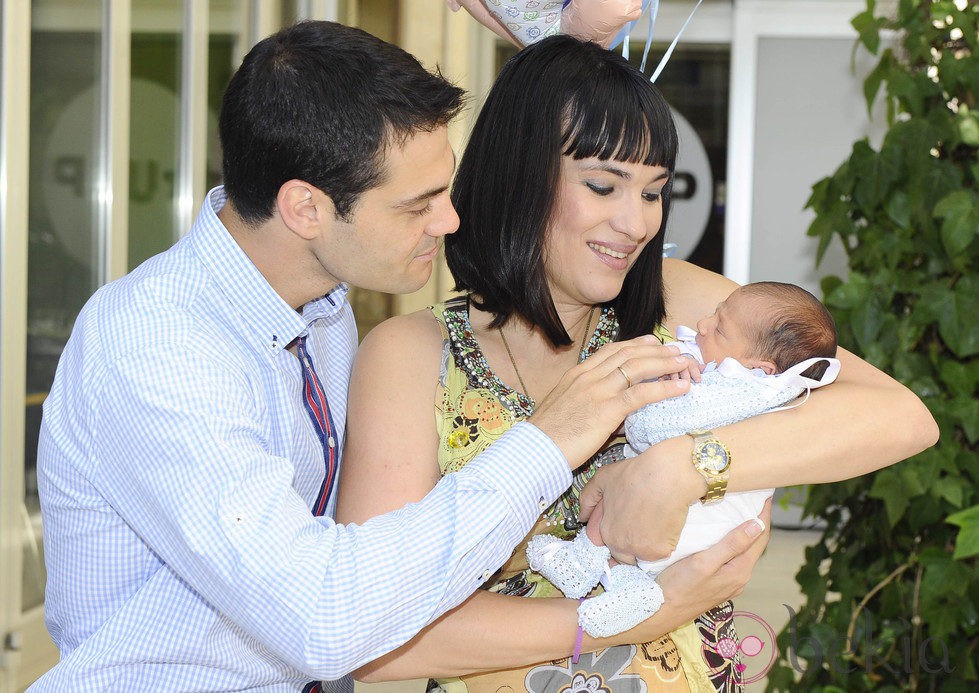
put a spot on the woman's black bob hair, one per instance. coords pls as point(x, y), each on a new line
point(560, 96)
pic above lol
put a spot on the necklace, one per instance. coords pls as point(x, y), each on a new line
point(513, 362)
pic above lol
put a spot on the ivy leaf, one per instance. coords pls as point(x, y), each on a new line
point(817, 199)
point(851, 294)
point(967, 542)
point(889, 487)
point(866, 321)
point(898, 209)
point(940, 179)
point(876, 173)
point(957, 378)
point(966, 411)
point(829, 283)
point(967, 306)
point(871, 85)
point(867, 27)
point(949, 488)
point(822, 227)
point(956, 318)
point(944, 575)
point(960, 212)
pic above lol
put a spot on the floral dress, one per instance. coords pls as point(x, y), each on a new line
point(473, 409)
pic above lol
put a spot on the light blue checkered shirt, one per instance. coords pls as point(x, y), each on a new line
point(177, 467)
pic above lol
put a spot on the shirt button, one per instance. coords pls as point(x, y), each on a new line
point(541, 503)
point(487, 574)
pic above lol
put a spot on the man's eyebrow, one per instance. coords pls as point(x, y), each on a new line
point(435, 192)
point(418, 199)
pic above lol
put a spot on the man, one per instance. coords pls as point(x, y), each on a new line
point(190, 444)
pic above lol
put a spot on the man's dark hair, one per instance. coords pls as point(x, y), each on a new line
point(798, 327)
point(560, 96)
point(321, 102)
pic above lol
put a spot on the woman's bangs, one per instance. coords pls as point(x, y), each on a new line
point(620, 133)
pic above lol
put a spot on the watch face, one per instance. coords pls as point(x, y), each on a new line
point(713, 457)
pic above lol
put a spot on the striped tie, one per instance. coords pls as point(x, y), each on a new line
point(314, 398)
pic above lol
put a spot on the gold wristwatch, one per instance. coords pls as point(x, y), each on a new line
point(713, 460)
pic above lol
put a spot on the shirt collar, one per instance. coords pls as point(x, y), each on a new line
point(261, 309)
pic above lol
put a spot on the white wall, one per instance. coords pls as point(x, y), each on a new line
point(797, 106)
point(809, 110)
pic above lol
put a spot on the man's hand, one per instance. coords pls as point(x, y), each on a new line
point(645, 500)
point(594, 397)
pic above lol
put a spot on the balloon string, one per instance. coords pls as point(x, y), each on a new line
point(669, 51)
point(653, 10)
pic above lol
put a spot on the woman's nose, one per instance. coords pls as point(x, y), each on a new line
point(629, 221)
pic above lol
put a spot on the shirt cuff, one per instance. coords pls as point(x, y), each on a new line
point(528, 469)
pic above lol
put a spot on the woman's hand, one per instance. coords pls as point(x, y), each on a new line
point(594, 397)
point(721, 572)
point(701, 581)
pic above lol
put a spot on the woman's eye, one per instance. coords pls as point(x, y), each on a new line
point(600, 189)
point(651, 196)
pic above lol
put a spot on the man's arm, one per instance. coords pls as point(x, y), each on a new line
point(183, 457)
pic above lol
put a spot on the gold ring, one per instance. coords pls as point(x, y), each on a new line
point(625, 375)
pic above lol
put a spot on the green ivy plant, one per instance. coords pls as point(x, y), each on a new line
point(892, 589)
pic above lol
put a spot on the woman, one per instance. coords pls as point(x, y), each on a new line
point(562, 193)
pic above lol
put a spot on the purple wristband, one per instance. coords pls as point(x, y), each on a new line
point(577, 641)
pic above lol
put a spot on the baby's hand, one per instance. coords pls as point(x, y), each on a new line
point(689, 372)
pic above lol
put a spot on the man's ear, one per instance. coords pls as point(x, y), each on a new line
point(304, 208)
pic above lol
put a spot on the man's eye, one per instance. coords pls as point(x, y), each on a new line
point(421, 212)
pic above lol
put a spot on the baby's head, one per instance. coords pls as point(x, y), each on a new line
point(769, 325)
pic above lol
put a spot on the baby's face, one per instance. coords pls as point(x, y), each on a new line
point(725, 333)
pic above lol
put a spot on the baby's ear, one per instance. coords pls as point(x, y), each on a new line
point(767, 366)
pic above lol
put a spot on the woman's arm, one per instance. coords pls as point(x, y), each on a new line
point(390, 454)
point(390, 459)
point(866, 420)
point(493, 631)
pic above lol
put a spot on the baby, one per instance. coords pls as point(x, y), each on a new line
point(761, 348)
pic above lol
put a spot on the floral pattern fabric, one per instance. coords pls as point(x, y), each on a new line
point(473, 409)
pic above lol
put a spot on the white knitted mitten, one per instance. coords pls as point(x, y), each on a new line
point(631, 596)
point(574, 567)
